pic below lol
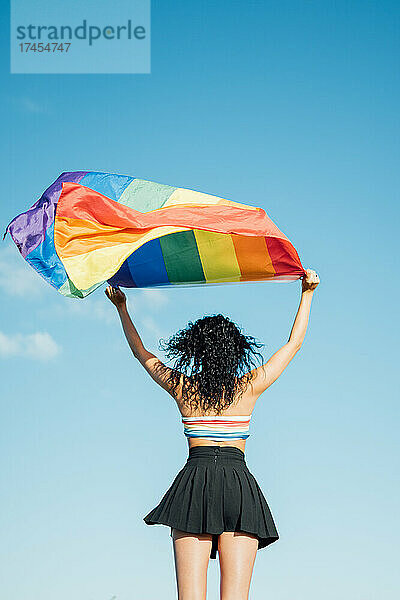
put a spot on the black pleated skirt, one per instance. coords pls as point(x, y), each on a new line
point(215, 492)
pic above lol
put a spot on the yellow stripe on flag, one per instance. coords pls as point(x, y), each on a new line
point(217, 255)
point(101, 264)
point(189, 197)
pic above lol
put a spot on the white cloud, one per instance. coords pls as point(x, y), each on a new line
point(17, 278)
point(153, 298)
point(31, 106)
point(151, 326)
point(141, 303)
point(88, 308)
point(80, 308)
point(38, 346)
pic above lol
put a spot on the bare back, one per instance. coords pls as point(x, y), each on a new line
point(242, 405)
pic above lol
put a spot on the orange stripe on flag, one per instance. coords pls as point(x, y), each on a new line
point(253, 257)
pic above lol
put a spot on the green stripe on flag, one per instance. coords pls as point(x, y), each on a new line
point(145, 196)
point(181, 257)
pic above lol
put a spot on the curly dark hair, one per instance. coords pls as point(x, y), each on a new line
point(216, 359)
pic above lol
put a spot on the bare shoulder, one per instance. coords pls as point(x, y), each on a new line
point(262, 377)
point(166, 377)
point(249, 394)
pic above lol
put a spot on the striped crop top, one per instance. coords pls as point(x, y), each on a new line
point(217, 428)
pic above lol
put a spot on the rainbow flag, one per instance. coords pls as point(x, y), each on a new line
point(92, 228)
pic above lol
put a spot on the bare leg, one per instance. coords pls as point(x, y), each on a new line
point(237, 553)
point(192, 554)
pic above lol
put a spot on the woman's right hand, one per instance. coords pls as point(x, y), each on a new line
point(116, 296)
point(310, 282)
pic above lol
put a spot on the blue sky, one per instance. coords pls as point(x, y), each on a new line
point(292, 106)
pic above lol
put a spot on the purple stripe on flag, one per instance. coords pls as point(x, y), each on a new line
point(28, 229)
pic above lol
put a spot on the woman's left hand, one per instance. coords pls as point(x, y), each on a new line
point(310, 282)
point(116, 295)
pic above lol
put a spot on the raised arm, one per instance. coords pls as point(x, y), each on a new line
point(153, 365)
point(266, 374)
